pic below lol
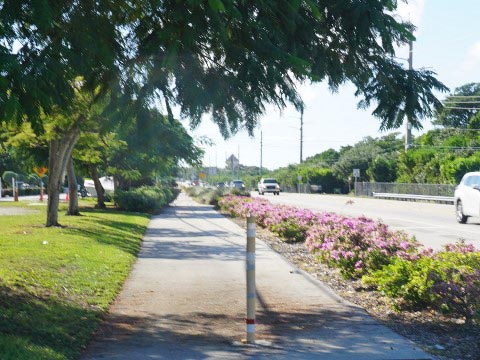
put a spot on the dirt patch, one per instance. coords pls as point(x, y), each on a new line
point(443, 337)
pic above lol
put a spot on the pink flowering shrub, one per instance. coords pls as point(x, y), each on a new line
point(354, 245)
point(290, 223)
point(357, 245)
point(390, 261)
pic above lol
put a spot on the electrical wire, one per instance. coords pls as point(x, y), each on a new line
point(458, 129)
point(460, 108)
point(463, 96)
point(461, 102)
point(447, 147)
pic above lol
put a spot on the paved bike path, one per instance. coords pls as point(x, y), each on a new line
point(185, 299)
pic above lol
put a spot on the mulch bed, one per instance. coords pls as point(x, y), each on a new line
point(443, 337)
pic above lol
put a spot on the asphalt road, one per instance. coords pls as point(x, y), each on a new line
point(432, 224)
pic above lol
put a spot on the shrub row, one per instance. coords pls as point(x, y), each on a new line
point(390, 261)
point(148, 199)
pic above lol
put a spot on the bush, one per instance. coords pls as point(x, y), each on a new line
point(448, 281)
point(289, 223)
point(357, 245)
point(148, 199)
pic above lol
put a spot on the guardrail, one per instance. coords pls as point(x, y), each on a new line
point(441, 199)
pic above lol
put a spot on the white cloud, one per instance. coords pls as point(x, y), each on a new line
point(411, 11)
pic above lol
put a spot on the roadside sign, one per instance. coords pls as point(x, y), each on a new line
point(40, 171)
point(356, 172)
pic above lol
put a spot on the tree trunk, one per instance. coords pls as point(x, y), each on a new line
point(72, 190)
point(98, 188)
point(59, 152)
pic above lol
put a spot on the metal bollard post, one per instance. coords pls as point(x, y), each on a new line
point(250, 320)
point(41, 190)
point(15, 189)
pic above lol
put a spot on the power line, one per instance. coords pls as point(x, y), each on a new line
point(463, 96)
point(460, 108)
point(458, 129)
point(461, 102)
point(448, 147)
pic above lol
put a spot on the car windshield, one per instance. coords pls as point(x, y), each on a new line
point(238, 182)
point(270, 181)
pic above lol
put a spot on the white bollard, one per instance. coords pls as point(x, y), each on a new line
point(250, 319)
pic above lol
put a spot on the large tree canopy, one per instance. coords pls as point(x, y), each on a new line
point(461, 107)
point(224, 57)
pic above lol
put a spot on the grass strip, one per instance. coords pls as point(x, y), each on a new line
point(56, 283)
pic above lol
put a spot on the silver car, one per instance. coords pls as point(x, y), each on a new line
point(467, 197)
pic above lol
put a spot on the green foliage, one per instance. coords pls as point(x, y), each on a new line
point(459, 118)
point(454, 169)
point(289, 230)
point(324, 159)
point(147, 145)
point(405, 280)
point(228, 59)
point(448, 281)
point(147, 199)
point(383, 169)
point(358, 157)
point(320, 176)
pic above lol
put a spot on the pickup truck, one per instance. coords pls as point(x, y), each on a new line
point(268, 186)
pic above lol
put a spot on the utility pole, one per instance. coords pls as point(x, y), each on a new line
point(301, 135)
point(407, 122)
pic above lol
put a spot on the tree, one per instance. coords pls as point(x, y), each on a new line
point(326, 158)
point(360, 157)
point(155, 144)
point(383, 169)
point(464, 102)
point(227, 58)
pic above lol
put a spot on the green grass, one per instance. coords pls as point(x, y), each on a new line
point(56, 283)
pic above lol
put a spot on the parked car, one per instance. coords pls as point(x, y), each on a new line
point(268, 185)
point(238, 184)
point(467, 197)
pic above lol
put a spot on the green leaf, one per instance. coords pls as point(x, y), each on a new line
point(217, 5)
point(314, 9)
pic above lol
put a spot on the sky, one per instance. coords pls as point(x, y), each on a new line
point(447, 42)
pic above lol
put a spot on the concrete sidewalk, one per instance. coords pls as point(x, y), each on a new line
point(185, 299)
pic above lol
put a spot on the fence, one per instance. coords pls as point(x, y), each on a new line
point(302, 188)
point(368, 188)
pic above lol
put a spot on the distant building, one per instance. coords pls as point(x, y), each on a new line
point(232, 163)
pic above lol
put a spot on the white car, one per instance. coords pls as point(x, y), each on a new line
point(268, 186)
point(467, 197)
